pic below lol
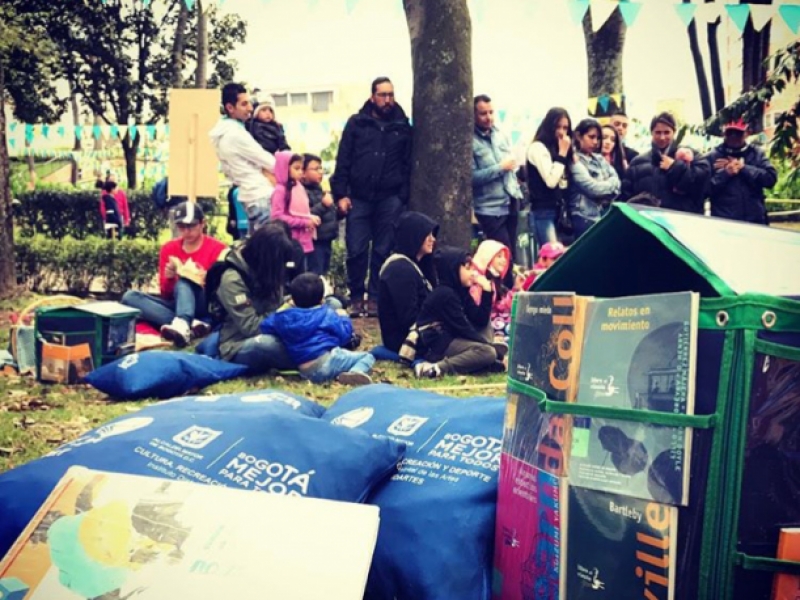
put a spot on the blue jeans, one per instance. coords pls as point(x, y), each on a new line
point(319, 261)
point(262, 353)
point(369, 223)
point(332, 364)
point(542, 222)
point(188, 303)
point(258, 213)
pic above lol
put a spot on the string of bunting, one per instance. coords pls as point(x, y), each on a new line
point(601, 10)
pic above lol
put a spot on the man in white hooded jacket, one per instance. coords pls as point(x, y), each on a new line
point(244, 162)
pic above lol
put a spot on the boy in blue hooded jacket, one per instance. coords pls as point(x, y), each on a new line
point(317, 338)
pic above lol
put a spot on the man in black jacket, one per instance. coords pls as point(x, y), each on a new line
point(678, 184)
point(740, 173)
point(370, 186)
point(619, 121)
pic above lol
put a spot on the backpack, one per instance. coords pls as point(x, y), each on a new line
point(214, 307)
point(160, 194)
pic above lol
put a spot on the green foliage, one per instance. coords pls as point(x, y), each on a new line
point(71, 265)
point(59, 213)
point(331, 150)
point(338, 271)
point(787, 188)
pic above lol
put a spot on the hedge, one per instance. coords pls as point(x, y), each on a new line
point(45, 264)
point(59, 213)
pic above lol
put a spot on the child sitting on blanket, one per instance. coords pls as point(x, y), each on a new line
point(317, 339)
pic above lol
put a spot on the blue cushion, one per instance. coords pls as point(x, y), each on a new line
point(160, 374)
point(268, 400)
point(437, 514)
point(262, 446)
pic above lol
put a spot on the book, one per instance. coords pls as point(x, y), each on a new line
point(639, 352)
point(189, 270)
point(528, 544)
point(619, 547)
point(65, 364)
point(536, 438)
point(545, 350)
point(785, 586)
point(108, 535)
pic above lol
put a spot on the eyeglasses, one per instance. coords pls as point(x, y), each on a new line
point(384, 94)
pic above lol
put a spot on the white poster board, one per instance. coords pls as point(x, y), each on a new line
point(192, 166)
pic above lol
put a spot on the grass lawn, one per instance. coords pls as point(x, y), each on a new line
point(35, 417)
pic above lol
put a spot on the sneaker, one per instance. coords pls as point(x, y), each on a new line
point(372, 308)
point(501, 348)
point(356, 309)
point(427, 370)
point(354, 378)
point(200, 329)
point(177, 332)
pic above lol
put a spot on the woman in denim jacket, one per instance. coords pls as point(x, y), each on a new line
point(593, 182)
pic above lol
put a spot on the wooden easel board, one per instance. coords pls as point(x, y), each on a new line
point(192, 166)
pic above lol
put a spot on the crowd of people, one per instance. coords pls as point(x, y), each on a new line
point(442, 310)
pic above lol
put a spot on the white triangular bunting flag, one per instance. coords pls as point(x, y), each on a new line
point(708, 12)
point(123, 130)
point(601, 11)
point(761, 14)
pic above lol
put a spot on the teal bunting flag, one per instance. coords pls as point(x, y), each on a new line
point(738, 14)
point(577, 10)
point(78, 131)
point(686, 12)
point(114, 132)
point(326, 127)
point(151, 132)
point(603, 100)
point(629, 12)
point(12, 127)
point(61, 131)
point(45, 130)
point(28, 132)
point(303, 127)
point(96, 132)
point(132, 131)
point(190, 4)
point(501, 115)
point(166, 130)
point(12, 142)
point(790, 14)
point(350, 6)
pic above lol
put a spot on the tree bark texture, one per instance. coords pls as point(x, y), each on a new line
point(755, 50)
point(699, 70)
point(604, 59)
point(76, 119)
point(178, 45)
point(716, 67)
point(441, 163)
point(201, 73)
point(129, 148)
point(8, 277)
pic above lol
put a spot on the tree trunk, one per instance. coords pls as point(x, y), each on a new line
point(699, 70)
point(8, 277)
point(441, 163)
point(755, 50)
point(604, 59)
point(716, 68)
point(201, 73)
point(129, 151)
point(76, 120)
point(178, 43)
point(31, 164)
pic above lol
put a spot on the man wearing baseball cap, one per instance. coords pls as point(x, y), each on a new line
point(182, 267)
point(740, 174)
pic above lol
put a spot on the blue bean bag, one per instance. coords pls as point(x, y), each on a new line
point(269, 400)
point(438, 512)
point(160, 374)
point(261, 446)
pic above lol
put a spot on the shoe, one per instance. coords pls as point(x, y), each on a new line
point(501, 348)
point(427, 370)
point(354, 378)
point(177, 332)
point(356, 309)
point(200, 329)
point(372, 308)
point(498, 366)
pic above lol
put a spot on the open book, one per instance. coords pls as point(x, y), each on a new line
point(189, 270)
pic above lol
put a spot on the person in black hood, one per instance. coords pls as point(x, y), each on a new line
point(266, 130)
point(371, 186)
point(406, 277)
point(451, 325)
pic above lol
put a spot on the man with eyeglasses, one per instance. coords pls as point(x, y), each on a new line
point(741, 173)
point(371, 186)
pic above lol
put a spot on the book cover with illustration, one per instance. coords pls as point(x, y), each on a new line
point(528, 543)
point(771, 474)
point(534, 437)
point(110, 536)
point(785, 586)
point(546, 345)
point(619, 547)
point(639, 352)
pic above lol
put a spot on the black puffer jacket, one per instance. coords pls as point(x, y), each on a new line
point(402, 289)
point(269, 135)
point(329, 229)
point(374, 159)
point(740, 196)
point(681, 187)
point(451, 306)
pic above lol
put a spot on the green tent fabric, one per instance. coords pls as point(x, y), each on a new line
point(748, 277)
